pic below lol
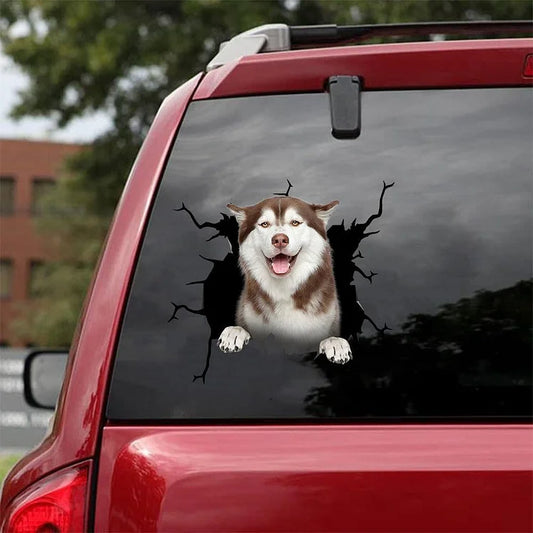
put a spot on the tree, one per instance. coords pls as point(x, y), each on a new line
point(124, 57)
point(471, 356)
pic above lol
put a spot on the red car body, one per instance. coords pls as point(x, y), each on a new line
point(345, 477)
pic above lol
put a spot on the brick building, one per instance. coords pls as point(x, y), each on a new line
point(28, 169)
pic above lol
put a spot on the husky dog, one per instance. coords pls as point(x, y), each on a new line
point(289, 289)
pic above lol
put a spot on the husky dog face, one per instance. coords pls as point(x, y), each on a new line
point(289, 292)
point(282, 239)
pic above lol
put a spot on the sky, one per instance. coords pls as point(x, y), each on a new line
point(13, 80)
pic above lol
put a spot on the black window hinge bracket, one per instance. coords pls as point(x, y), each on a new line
point(345, 106)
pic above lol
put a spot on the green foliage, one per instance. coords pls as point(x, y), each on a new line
point(389, 11)
point(123, 58)
point(74, 229)
point(6, 464)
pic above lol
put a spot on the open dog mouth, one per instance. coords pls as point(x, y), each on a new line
point(281, 264)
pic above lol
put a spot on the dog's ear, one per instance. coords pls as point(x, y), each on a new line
point(239, 212)
point(323, 212)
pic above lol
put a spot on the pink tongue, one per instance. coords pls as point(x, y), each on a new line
point(280, 264)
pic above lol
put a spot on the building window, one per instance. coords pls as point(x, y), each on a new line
point(7, 195)
point(6, 278)
point(41, 188)
point(35, 281)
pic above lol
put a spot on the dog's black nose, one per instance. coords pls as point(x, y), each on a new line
point(280, 240)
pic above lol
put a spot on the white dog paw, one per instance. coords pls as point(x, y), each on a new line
point(336, 349)
point(233, 339)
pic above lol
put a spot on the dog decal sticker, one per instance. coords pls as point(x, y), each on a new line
point(289, 289)
point(287, 277)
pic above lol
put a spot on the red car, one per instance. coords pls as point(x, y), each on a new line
point(427, 146)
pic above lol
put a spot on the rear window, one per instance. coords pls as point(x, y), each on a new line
point(431, 245)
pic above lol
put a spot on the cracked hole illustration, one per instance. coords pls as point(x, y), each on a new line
point(225, 285)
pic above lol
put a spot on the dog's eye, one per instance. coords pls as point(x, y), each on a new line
point(295, 223)
point(264, 224)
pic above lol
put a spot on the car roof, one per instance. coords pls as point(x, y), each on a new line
point(281, 37)
point(417, 65)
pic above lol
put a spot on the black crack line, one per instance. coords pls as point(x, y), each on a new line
point(369, 277)
point(207, 362)
point(196, 223)
point(286, 193)
point(378, 329)
point(178, 307)
point(373, 217)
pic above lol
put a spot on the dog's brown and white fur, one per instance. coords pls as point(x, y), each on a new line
point(289, 289)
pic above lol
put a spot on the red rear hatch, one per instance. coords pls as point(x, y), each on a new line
point(308, 478)
point(415, 478)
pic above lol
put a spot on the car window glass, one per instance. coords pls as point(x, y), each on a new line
point(442, 270)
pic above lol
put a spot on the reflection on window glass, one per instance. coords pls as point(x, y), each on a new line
point(6, 278)
point(431, 259)
point(7, 195)
point(41, 188)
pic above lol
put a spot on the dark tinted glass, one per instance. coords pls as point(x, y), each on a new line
point(445, 284)
point(7, 195)
point(40, 190)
